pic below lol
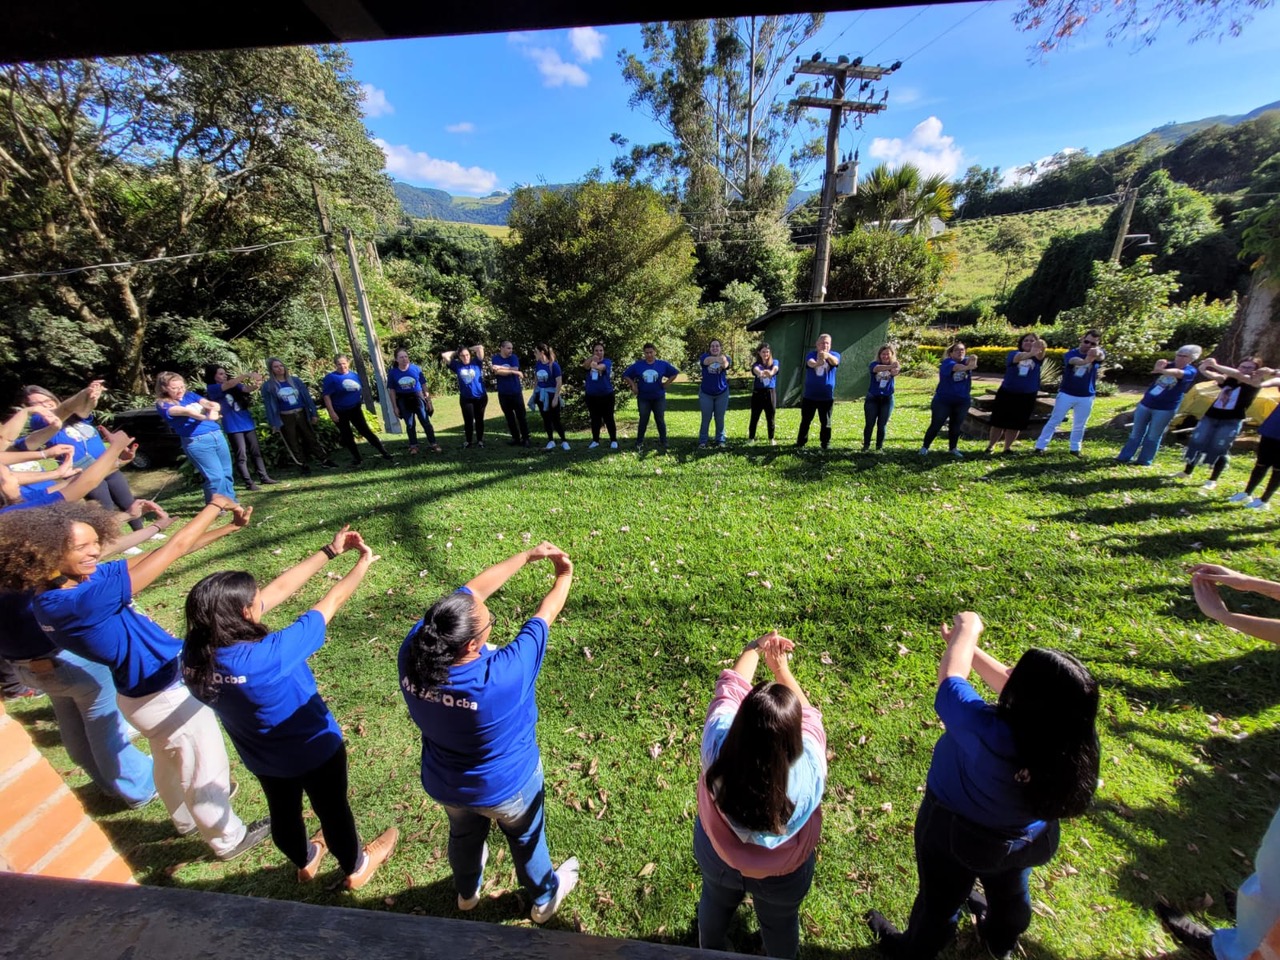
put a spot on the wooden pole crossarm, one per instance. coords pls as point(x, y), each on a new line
point(858, 106)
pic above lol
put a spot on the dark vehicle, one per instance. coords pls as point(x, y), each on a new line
point(158, 445)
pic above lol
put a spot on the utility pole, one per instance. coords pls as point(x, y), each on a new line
point(343, 304)
point(390, 419)
point(1130, 198)
point(840, 72)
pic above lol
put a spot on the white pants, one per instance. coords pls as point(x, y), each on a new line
point(1078, 407)
point(192, 773)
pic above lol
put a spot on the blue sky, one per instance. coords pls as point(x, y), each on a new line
point(475, 114)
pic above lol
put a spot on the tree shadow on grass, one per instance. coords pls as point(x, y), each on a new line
point(1239, 686)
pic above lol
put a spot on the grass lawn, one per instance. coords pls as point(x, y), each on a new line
point(680, 559)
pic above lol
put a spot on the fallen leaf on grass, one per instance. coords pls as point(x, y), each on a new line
point(647, 869)
point(654, 750)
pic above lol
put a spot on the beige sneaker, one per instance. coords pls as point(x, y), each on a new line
point(568, 876)
point(317, 850)
point(374, 855)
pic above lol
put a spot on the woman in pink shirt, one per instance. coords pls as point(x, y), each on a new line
point(764, 768)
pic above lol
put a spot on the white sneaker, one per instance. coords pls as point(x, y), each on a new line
point(471, 902)
point(1256, 504)
point(568, 876)
point(564, 444)
point(158, 536)
point(613, 444)
point(1240, 497)
point(593, 444)
point(551, 445)
point(1209, 485)
point(137, 551)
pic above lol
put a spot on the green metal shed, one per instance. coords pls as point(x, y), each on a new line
point(858, 329)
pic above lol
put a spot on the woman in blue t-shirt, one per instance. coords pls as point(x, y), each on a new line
point(878, 404)
point(599, 392)
point(1002, 776)
point(548, 386)
point(1016, 397)
point(292, 413)
point(195, 421)
point(1159, 405)
point(477, 709)
point(258, 683)
point(413, 400)
point(950, 402)
point(233, 395)
point(648, 380)
point(467, 365)
point(764, 391)
point(713, 394)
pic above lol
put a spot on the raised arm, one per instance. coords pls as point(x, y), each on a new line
point(341, 592)
point(1226, 577)
point(83, 403)
point(748, 660)
point(447, 357)
point(38, 438)
point(477, 351)
point(12, 427)
point(135, 537)
point(79, 486)
point(290, 582)
point(556, 597)
point(144, 570)
point(962, 640)
point(992, 671)
point(777, 650)
point(1210, 603)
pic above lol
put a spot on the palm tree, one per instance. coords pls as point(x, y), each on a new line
point(900, 198)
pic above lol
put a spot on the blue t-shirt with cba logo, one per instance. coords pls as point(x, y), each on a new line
point(953, 384)
point(881, 383)
point(820, 384)
point(1081, 379)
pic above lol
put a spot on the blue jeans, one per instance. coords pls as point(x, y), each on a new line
point(951, 853)
point(658, 407)
point(876, 411)
point(718, 406)
point(777, 900)
point(212, 457)
point(1148, 430)
point(522, 819)
point(950, 412)
point(95, 735)
point(1212, 440)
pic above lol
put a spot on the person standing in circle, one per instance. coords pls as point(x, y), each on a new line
point(648, 379)
point(506, 367)
point(951, 398)
point(1016, 398)
point(1159, 405)
point(413, 400)
point(1080, 369)
point(764, 391)
point(1221, 423)
point(547, 395)
point(819, 393)
point(292, 414)
point(600, 396)
point(713, 395)
point(343, 395)
point(471, 393)
point(878, 404)
point(195, 421)
point(232, 394)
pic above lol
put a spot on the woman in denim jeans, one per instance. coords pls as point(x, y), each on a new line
point(1159, 405)
point(1002, 775)
point(478, 713)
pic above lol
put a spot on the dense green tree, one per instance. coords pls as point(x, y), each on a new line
point(1011, 241)
point(599, 261)
point(1059, 280)
point(726, 320)
point(973, 189)
point(1128, 305)
point(901, 198)
point(879, 264)
point(1223, 158)
point(1256, 329)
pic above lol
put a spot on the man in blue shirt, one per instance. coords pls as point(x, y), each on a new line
point(648, 379)
point(506, 367)
point(1080, 368)
point(819, 392)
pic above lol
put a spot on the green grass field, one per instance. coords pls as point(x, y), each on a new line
point(680, 559)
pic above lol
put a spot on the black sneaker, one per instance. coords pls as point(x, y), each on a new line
point(888, 937)
point(1194, 936)
point(977, 904)
point(254, 834)
point(329, 462)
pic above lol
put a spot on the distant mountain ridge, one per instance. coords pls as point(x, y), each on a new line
point(1172, 134)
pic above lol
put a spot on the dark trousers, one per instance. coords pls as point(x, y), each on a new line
point(300, 438)
point(326, 788)
point(1255, 477)
point(473, 416)
point(600, 409)
point(551, 419)
point(11, 684)
point(877, 410)
point(658, 408)
point(950, 412)
point(410, 407)
point(807, 409)
point(353, 419)
point(244, 444)
point(951, 853)
point(512, 405)
point(766, 402)
point(114, 494)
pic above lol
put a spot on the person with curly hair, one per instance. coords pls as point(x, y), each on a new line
point(87, 607)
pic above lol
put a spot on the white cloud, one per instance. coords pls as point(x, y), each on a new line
point(555, 71)
point(466, 126)
point(375, 101)
point(926, 147)
point(587, 43)
point(418, 167)
point(520, 38)
point(1033, 171)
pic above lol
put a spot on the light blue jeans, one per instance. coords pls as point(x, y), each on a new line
point(1148, 430)
point(522, 819)
point(718, 406)
point(1079, 408)
point(93, 731)
point(212, 457)
point(1212, 440)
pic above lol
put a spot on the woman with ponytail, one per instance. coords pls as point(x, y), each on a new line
point(764, 763)
point(258, 683)
point(475, 705)
point(1002, 777)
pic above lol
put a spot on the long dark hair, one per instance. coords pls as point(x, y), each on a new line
point(215, 619)
point(749, 777)
point(447, 627)
point(1050, 702)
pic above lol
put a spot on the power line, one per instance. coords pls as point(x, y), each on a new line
point(918, 15)
point(971, 13)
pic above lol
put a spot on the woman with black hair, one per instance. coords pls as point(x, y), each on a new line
point(233, 395)
point(764, 391)
point(258, 683)
point(467, 364)
point(764, 766)
point(1001, 778)
point(475, 705)
point(547, 394)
